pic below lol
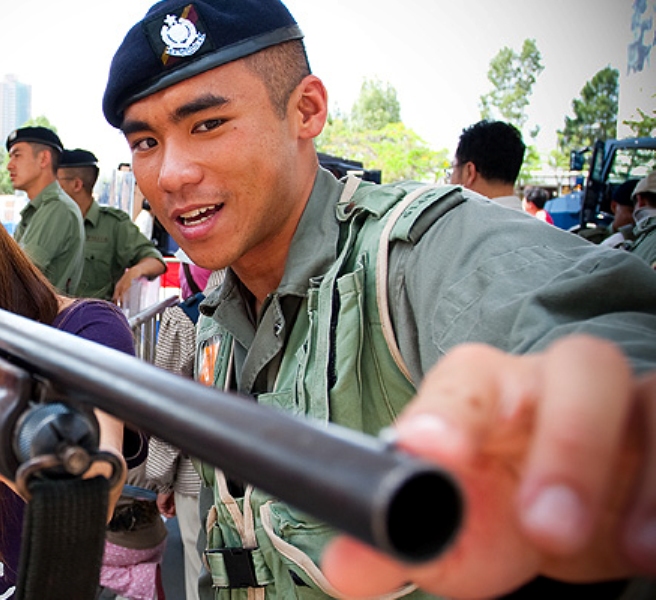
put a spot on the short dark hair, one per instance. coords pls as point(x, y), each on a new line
point(496, 149)
point(281, 67)
point(538, 196)
point(55, 155)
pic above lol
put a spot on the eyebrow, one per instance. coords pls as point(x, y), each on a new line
point(190, 108)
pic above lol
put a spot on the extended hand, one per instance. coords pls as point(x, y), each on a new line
point(556, 454)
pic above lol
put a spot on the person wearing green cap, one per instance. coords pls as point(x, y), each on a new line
point(50, 230)
point(115, 251)
point(429, 308)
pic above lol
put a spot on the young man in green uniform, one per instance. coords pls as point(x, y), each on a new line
point(50, 230)
point(359, 303)
point(115, 251)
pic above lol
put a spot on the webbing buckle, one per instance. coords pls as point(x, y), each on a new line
point(239, 566)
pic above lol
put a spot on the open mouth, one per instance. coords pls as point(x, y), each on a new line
point(199, 215)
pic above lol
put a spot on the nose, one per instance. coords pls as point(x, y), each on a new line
point(179, 168)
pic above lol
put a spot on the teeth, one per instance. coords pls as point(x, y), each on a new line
point(194, 213)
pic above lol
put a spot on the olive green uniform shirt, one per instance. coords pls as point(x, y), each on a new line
point(113, 243)
point(52, 235)
point(644, 245)
point(473, 272)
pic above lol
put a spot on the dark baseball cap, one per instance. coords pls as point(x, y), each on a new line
point(37, 135)
point(178, 40)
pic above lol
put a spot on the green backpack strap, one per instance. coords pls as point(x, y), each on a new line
point(401, 205)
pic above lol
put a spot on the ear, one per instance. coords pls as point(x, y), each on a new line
point(45, 158)
point(310, 106)
point(469, 174)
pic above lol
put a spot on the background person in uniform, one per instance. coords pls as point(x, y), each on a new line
point(221, 121)
point(644, 214)
point(488, 159)
point(50, 230)
point(621, 228)
point(115, 251)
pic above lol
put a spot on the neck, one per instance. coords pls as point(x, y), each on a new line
point(34, 189)
point(494, 189)
point(84, 202)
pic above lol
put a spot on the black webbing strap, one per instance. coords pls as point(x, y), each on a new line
point(63, 539)
point(193, 286)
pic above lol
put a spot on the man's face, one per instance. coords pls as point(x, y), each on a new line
point(66, 180)
point(23, 166)
point(623, 215)
point(456, 177)
point(217, 165)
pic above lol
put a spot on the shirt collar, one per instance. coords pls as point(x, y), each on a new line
point(312, 251)
point(93, 214)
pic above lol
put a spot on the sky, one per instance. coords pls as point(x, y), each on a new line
point(436, 54)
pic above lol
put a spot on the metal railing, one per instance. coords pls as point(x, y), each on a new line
point(356, 483)
point(144, 327)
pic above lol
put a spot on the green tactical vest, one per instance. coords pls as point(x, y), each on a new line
point(341, 364)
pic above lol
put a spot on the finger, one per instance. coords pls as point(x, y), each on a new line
point(348, 565)
point(472, 400)
point(579, 424)
point(640, 529)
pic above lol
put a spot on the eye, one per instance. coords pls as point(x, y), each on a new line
point(208, 125)
point(142, 144)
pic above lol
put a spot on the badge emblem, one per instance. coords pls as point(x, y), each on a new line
point(181, 36)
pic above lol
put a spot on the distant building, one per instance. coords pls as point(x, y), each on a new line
point(638, 79)
point(15, 105)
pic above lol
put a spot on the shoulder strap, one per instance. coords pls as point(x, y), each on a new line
point(193, 286)
point(398, 198)
point(382, 264)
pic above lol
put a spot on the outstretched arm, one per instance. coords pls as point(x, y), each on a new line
point(558, 472)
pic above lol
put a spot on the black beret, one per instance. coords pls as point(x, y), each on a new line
point(177, 40)
point(78, 158)
point(37, 135)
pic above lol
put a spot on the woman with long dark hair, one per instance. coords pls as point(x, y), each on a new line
point(26, 292)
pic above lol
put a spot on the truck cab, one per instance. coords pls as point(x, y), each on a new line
point(612, 163)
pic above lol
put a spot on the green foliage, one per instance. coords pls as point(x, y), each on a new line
point(40, 121)
point(374, 135)
point(595, 112)
point(645, 127)
point(532, 163)
point(5, 181)
point(396, 150)
point(512, 76)
point(376, 106)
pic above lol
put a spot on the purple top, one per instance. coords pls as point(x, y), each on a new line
point(95, 320)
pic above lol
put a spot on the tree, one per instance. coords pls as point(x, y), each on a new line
point(512, 76)
point(374, 135)
point(595, 112)
point(645, 127)
point(376, 106)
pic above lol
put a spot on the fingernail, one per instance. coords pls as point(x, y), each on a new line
point(559, 515)
point(428, 427)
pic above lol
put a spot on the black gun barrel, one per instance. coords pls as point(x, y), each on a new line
point(396, 503)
